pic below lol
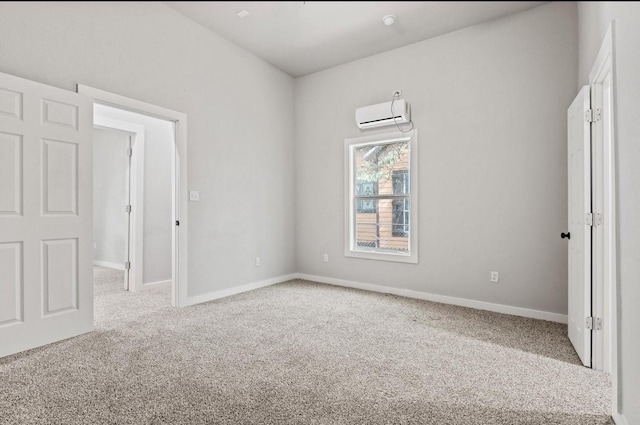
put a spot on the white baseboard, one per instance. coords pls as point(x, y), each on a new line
point(146, 286)
point(222, 293)
point(619, 419)
point(160, 282)
point(464, 302)
point(108, 264)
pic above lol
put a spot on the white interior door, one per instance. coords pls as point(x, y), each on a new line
point(579, 165)
point(46, 279)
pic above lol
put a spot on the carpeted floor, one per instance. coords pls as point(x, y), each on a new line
point(301, 353)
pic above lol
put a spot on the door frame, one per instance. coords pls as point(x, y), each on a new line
point(179, 180)
point(133, 278)
point(605, 288)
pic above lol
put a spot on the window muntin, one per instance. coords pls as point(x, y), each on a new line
point(380, 198)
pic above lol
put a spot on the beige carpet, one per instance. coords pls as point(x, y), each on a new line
point(301, 353)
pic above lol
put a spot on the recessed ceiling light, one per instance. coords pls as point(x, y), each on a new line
point(389, 20)
point(243, 13)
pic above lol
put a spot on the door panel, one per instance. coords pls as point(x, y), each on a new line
point(10, 174)
point(57, 113)
point(10, 103)
point(59, 275)
point(11, 300)
point(46, 279)
point(60, 177)
point(579, 191)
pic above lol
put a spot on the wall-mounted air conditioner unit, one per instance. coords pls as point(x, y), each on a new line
point(380, 115)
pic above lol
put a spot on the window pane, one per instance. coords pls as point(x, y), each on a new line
point(400, 180)
point(400, 226)
point(366, 205)
point(384, 230)
point(378, 165)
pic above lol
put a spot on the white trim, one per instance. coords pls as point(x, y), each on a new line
point(179, 260)
point(603, 169)
point(222, 293)
point(159, 282)
point(136, 194)
point(604, 54)
point(603, 65)
point(108, 264)
point(349, 211)
point(479, 305)
point(619, 419)
point(445, 299)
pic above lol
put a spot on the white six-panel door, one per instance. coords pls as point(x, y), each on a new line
point(579, 178)
point(46, 280)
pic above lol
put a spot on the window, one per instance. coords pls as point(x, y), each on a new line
point(381, 197)
point(400, 207)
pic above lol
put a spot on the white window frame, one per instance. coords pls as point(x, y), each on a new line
point(350, 247)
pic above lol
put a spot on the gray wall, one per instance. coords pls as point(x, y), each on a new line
point(240, 118)
point(594, 18)
point(158, 158)
point(110, 163)
point(490, 104)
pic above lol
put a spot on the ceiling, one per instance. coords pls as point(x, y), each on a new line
point(304, 37)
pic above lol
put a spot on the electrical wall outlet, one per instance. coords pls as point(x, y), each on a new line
point(495, 277)
point(194, 195)
point(325, 257)
point(258, 262)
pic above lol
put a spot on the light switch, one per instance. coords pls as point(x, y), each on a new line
point(194, 195)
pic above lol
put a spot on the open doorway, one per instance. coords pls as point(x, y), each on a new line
point(118, 183)
point(147, 202)
point(132, 198)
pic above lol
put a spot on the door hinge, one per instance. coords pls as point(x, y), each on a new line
point(599, 219)
point(127, 208)
point(127, 265)
point(588, 219)
point(598, 324)
point(593, 323)
point(129, 152)
point(593, 115)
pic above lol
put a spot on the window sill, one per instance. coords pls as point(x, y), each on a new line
point(382, 256)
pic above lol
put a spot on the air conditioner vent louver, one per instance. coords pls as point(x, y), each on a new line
point(397, 117)
point(380, 115)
